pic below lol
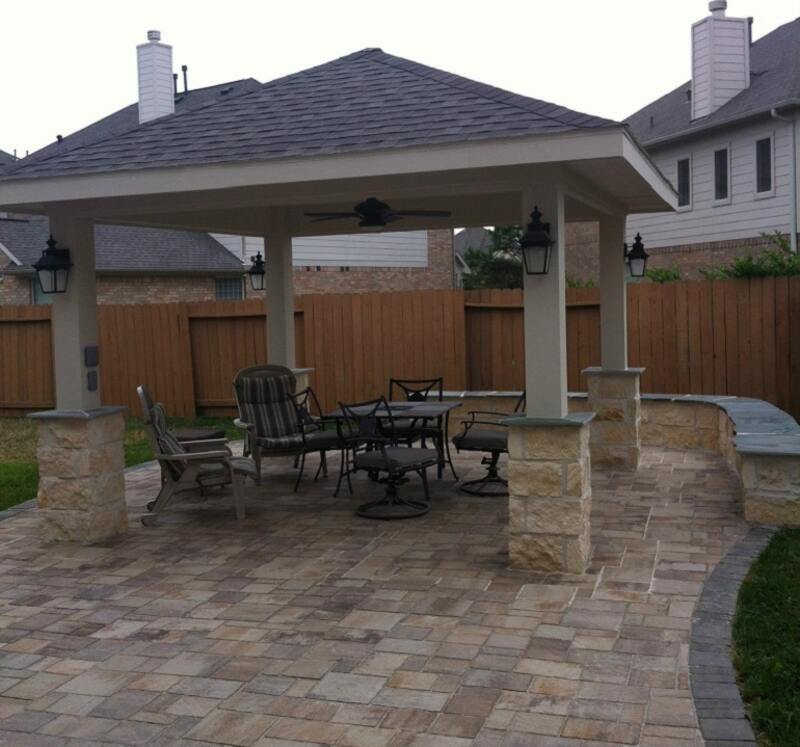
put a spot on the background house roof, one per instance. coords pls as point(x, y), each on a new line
point(472, 238)
point(364, 101)
point(774, 82)
point(124, 249)
point(6, 161)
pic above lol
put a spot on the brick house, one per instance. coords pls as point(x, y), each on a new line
point(131, 271)
point(134, 265)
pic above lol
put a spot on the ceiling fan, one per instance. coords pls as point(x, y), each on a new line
point(374, 214)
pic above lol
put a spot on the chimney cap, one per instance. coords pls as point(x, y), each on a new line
point(154, 36)
point(718, 7)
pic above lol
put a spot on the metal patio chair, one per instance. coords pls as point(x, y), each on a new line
point(319, 434)
point(371, 445)
point(209, 464)
point(485, 432)
point(422, 429)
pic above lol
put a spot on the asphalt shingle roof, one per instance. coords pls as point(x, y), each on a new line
point(774, 82)
point(365, 101)
point(6, 161)
point(124, 248)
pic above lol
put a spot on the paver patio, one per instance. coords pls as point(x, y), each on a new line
point(305, 625)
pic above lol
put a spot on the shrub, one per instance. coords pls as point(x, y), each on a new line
point(663, 274)
point(777, 261)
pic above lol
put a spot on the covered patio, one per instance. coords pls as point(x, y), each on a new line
point(324, 140)
point(305, 625)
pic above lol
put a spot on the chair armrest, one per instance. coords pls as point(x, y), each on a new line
point(195, 456)
point(193, 446)
point(239, 423)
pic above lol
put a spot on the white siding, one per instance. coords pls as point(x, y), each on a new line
point(392, 249)
point(745, 215)
point(156, 89)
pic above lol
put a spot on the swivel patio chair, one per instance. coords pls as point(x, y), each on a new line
point(371, 445)
point(485, 432)
point(210, 464)
point(422, 429)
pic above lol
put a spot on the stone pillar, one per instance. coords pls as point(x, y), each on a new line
point(81, 457)
point(550, 493)
point(771, 487)
point(614, 397)
point(81, 482)
point(279, 286)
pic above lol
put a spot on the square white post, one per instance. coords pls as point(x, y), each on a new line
point(279, 286)
point(614, 388)
point(80, 452)
point(549, 472)
point(545, 314)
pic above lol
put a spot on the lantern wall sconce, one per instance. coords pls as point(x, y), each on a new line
point(256, 272)
point(636, 257)
point(536, 245)
point(52, 268)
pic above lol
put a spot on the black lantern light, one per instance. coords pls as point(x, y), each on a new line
point(52, 268)
point(256, 273)
point(536, 245)
point(636, 257)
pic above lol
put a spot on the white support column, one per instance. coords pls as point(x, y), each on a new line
point(613, 306)
point(545, 314)
point(280, 297)
point(614, 388)
point(80, 452)
point(74, 317)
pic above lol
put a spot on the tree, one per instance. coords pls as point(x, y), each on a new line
point(500, 266)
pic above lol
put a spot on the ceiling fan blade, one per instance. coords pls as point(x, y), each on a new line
point(424, 213)
point(391, 218)
point(329, 216)
point(331, 213)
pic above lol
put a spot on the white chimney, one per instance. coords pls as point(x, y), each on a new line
point(720, 59)
point(156, 89)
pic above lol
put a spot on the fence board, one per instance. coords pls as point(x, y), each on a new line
point(738, 337)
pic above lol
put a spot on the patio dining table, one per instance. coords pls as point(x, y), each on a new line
point(428, 410)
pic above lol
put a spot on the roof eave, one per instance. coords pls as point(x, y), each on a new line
point(704, 129)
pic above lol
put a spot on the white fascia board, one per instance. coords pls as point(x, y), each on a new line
point(10, 254)
point(638, 158)
point(528, 150)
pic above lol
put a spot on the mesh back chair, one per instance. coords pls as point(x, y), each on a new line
point(209, 464)
point(367, 432)
point(421, 429)
point(485, 432)
point(319, 434)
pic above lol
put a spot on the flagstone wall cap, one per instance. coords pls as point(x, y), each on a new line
point(600, 371)
point(93, 414)
point(573, 420)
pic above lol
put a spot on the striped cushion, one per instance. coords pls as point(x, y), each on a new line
point(266, 404)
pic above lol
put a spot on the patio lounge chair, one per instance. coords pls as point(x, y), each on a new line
point(485, 432)
point(184, 435)
point(367, 430)
point(210, 464)
point(421, 429)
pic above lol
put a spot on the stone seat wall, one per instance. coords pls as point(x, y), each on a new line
point(760, 441)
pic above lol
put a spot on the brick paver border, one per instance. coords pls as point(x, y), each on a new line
point(720, 711)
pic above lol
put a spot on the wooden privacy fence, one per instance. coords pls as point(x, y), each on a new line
point(739, 337)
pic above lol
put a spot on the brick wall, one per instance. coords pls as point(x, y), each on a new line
point(126, 289)
point(583, 253)
point(438, 274)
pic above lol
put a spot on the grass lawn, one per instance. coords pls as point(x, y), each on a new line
point(19, 474)
point(766, 632)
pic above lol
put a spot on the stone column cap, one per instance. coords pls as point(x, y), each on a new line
point(600, 371)
point(573, 420)
point(93, 414)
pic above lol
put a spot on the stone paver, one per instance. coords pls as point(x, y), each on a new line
point(305, 625)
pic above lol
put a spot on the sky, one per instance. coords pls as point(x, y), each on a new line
point(64, 65)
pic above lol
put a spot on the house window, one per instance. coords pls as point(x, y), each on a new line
point(721, 174)
point(39, 298)
point(228, 289)
point(764, 165)
point(684, 183)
